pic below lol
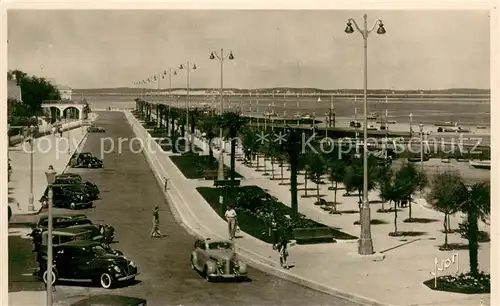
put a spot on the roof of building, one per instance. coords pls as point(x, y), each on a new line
point(13, 90)
point(62, 87)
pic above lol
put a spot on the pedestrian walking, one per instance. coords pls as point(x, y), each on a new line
point(166, 183)
point(283, 250)
point(231, 221)
point(155, 231)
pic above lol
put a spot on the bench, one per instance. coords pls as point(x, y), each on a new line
point(227, 183)
point(313, 235)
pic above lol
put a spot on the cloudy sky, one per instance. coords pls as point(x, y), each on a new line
point(93, 49)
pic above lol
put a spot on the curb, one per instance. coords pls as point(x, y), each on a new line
point(261, 263)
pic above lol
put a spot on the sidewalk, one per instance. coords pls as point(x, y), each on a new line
point(333, 268)
point(47, 150)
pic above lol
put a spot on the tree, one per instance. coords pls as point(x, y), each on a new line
point(208, 126)
point(385, 185)
point(316, 166)
point(445, 195)
point(354, 180)
point(250, 144)
point(475, 203)
point(34, 91)
point(194, 115)
point(292, 146)
point(337, 171)
point(234, 123)
point(409, 180)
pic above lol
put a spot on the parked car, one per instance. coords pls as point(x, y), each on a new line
point(95, 129)
point(85, 160)
point(88, 261)
point(217, 259)
point(106, 231)
point(65, 235)
point(62, 220)
point(76, 179)
point(68, 196)
point(110, 300)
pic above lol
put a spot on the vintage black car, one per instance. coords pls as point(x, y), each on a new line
point(88, 261)
point(95, 129)
point(68, 196)
point(76, 179)
point(110, 300)
point(62, 220)
point(85, 160)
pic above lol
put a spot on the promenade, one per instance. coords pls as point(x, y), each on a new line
point(334, 268)
point(47, 150)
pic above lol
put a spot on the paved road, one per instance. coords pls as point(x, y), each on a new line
point(128, 193)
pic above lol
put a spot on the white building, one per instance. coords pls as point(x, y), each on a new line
point(65, 92)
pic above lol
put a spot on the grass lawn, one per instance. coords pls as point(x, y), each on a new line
point(249, 223)
point(192, 166)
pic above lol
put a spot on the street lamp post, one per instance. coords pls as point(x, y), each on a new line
point(188, 69)
point(365, 246)
point(51, 177)
point(31, 206)
point(421, 152)
point(221, 57)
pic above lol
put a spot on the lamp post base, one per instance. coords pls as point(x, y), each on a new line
point(365, 242)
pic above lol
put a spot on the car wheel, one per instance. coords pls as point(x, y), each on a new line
point(72, 205)
point(45, 276)
point(206, 276)
point(106, 280)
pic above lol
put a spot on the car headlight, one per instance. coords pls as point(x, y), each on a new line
point(117, 269)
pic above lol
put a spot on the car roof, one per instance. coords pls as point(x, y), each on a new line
point(68, 175)
point(69, 230)
point(110, 299)
point(208, 240)
point(80, 243)
point(63, 215)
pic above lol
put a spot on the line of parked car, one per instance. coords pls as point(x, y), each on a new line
point(71, 191)
point(82, 252)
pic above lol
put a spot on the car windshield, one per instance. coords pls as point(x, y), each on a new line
point(220, 246)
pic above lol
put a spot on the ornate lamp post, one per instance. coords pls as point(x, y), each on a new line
point(365, 246)
point(51, 177)
point(221, 57)
point(188, 69)
point(31, 206)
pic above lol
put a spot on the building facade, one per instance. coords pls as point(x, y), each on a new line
point(65, 92)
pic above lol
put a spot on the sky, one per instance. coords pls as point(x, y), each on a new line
point(272, 48)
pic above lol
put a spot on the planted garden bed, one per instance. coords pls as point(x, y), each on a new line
point(194, 166)
point(254, 207)
point(462, 283)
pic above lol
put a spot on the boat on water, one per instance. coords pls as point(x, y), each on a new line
point(481, 164)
